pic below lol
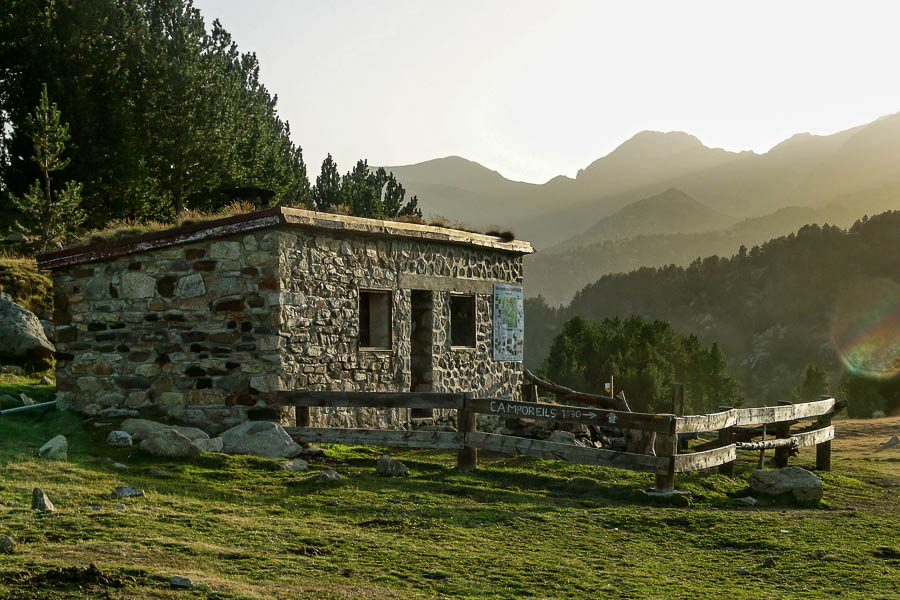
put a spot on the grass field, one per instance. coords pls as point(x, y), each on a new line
point(240, 527)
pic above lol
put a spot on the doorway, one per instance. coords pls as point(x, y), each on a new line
point(420, 357)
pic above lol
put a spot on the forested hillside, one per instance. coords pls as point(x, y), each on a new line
point(813, 296)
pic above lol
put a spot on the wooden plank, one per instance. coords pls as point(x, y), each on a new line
point(508, 444)
point(467, 457)
point(752, 416)
point(370, 399)
point(815, 437)
point(442, 440)
point(717, 457)
point(764, 445)
point(573, 414)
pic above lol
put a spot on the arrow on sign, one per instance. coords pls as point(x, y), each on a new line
point(589, 415)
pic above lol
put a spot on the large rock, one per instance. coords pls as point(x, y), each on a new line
point(22, 336)
point(209, 445)
point(804, 486)
point(141, 429)
point(391, 467)
point(40, 501)
point(55, 449)
point(260, 438)
point(171, 444)
point(567, 437)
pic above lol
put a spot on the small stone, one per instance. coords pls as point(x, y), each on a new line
point(40, 501)
point(119, 467)
point(120, 507)
point(119, 439)
point(748, 500)
point(7, 545)
point(181, 582)
point(331, 503)
point(328, 476)
point(768, 563)
point(311, 452)
point(158, 473)
point(742, 572)
point(391, 467)
point(101, 424)
point(46, 381)
point(55, 449)
point(116, 413)
point(26, 400)
point(894, 441)
point(783, 531)
point(127, 491)
point(297, 464)
point(96, 507)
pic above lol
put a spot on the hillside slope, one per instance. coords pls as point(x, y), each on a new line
point(772, 308)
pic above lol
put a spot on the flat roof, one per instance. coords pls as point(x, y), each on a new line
point(273, 217)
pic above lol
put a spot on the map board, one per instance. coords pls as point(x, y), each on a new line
point(509, 322)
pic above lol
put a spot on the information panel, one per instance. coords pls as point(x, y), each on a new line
point(509, 322)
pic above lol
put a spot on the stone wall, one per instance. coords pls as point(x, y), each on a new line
point(184, 331)
point(321, 281)
point(198, 331)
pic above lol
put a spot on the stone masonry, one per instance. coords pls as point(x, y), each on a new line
point(201, 330)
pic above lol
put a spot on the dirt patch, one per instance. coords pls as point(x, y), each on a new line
point(864, 435)
point(83, 579)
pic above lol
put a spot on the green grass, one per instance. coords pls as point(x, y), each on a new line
point(21, 279)
point(242, 528)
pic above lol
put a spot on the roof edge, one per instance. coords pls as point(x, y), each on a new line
point(270, 218)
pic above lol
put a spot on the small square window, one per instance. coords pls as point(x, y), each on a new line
point(374, 319)
point(462, 321)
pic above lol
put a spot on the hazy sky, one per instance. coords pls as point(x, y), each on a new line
point(538, 89)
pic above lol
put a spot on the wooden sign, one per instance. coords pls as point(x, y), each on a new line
point(570, 414)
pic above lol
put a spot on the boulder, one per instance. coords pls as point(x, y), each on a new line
point(55, 449)
point(181, 582)
point(119, 439)
point(804, 486)
point(170, 444)
point(209, 444)
point(49, 330)
point(22, 337)
point(7, 545)
point(25, 399)
point(141, 429)
point(260, 438)
point(391, 467)
point(40, 501)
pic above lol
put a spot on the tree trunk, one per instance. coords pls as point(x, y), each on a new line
point(48, 211)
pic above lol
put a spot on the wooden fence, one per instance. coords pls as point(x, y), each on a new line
point(662, 456)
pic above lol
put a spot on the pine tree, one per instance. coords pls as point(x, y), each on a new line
point(53, 213)
point(327, 193)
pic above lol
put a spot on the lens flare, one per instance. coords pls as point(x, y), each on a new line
point(865, 329)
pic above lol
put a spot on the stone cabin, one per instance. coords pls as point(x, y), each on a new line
point(199, 323)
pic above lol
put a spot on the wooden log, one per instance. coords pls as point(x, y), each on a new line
point(369, 399)
point(678, 411)
point(736, 417)
point(724, 456)
point(726, 439)
point(508, 444)
point(823, 448)
point(467, 457)
point(783, 430)
point(529, 392)
point(573, 414)
point(764, 445)
point(441, 440)
point(665, 482)
point(565, 394)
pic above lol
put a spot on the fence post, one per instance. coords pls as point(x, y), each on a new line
point(782, 431)
point(467, 458)
point(678, 410)
point(823, 450)
point(669, 447)
point(726, 438)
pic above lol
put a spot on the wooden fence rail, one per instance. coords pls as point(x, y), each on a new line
point(664, 458)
